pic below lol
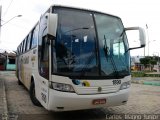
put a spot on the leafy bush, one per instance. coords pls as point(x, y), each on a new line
point(143, 74)
point(138, 74)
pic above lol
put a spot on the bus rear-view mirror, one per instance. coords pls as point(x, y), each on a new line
point(52, 21)
point(136, 37)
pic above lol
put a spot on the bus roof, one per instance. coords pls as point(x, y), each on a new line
point(71, 7)
point(81, 8)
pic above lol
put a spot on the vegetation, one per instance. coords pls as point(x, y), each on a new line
point(149, 60)
point(143, 74)
point(138, 74)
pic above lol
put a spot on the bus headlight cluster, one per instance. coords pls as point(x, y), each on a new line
point(62, 87)
point(125, 85)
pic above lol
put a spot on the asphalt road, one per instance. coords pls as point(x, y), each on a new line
point(144, 102)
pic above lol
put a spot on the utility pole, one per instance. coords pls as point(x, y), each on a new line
point(11, 19)
point(1, 25)
point(0, 21)
point(157, 61)
point(148, 38)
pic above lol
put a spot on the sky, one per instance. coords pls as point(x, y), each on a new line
point(132, 13)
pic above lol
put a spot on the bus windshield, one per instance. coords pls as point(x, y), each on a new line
point(90, 44)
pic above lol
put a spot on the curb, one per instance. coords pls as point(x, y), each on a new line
point(151, 83)
point(145, 82)
point(5, 107)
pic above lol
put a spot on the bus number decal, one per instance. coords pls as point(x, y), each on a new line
point(116, 82)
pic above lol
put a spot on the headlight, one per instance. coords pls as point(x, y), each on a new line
point(125, 85)
point(62, 87)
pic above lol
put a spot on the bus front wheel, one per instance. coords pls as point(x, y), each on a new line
point(32, 95)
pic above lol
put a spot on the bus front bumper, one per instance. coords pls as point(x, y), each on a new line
point(64, 101)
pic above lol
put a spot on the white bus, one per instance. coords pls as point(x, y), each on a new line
point(76, 59)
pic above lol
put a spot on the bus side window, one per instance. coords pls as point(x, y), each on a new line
point(44, 59)
point(34, 37)
point(29, 41)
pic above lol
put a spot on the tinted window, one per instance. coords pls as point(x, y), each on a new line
point(44, 59)
point(76, 43)
point(29, 41)
point(22, 46)
point(112, 45)
point(34, 37)
point(18, 50)
point(26, 41)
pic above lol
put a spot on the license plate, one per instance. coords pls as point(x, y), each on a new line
point(99, 101)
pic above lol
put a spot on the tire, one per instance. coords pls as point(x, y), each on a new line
point(32, 95)
point(19, 82)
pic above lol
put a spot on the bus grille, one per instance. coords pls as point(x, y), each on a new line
point(94, 90)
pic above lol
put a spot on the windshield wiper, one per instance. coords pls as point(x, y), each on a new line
point(105, 48)
point(114, 66)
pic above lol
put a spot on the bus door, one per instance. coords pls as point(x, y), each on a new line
point(44, 71)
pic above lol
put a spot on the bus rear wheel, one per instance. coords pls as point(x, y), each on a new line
point(32, 95)
point(19, 82)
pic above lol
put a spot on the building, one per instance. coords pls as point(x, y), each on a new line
point(7, 60)
point(135, 63)
point(2, 61)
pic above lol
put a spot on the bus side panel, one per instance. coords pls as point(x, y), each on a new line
point(17, 69)
point(26, 67)
point(19, 65)
point(27, 70)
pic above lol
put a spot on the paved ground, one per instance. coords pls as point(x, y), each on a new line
point(1, 96)
point(144, 100)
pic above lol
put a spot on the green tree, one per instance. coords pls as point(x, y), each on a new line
point(145, 61)
point(153, 62)
point(148, 61)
